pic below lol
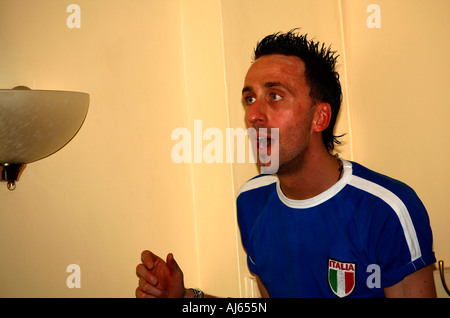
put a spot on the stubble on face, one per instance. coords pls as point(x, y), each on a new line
point(292, 114)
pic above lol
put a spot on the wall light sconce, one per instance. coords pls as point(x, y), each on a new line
point(35, 124)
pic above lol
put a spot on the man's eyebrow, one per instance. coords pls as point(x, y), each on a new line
point(247, 89)
point(277, 84)
point(267, 85)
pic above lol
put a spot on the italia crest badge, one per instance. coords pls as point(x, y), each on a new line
point(341, 277)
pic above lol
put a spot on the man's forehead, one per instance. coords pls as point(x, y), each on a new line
point(278, 61)
point(275, 69)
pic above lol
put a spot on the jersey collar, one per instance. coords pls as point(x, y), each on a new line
point(324, 196)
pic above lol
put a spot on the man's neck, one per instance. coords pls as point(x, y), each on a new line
point(317, 172)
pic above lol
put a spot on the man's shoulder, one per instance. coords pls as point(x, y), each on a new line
point(388, 195)
point(369, 180)
point(252, 199)
point(259, 182)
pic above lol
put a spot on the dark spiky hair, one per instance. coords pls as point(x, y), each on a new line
point(320, 71)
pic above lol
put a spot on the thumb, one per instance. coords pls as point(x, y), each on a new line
point(172, 264)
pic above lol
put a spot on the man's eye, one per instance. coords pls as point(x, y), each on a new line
point(275, 97)
point(249, 100)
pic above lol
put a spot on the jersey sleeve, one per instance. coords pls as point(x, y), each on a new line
point(251, 201)
point(401, 236)
point(245, 224)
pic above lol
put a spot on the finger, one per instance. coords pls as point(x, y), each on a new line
point(141, 294)
point(172, 264)
point(149, 289)
point(143, 272)
point(147, 259)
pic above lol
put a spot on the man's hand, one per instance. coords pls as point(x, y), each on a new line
point(159, 279)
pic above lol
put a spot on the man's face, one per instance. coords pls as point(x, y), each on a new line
point(275, 95)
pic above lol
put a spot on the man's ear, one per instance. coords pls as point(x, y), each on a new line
point(322, 117)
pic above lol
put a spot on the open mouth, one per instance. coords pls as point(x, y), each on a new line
point(266, 148)
point(264, 139)
point(264, 142)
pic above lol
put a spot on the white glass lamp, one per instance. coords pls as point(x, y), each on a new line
point(35, 124)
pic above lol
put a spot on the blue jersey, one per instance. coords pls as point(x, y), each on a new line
point(365, 233)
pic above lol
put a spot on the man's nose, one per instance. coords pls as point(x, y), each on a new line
point(255, 113)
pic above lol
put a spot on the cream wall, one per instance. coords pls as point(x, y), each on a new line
point(113, 191)
point(152, 66)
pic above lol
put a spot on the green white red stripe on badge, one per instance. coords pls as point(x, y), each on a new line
point(341, 277)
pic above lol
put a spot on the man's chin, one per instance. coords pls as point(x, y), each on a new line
point(268, 168)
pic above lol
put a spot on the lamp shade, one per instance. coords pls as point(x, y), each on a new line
point(36, 123)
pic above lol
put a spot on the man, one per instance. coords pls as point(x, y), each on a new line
point(321, 226)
